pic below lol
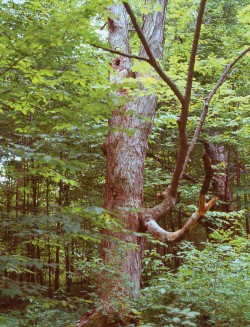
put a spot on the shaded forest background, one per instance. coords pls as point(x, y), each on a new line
point(55, 101)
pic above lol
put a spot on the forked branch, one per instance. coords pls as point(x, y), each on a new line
point(151, 226)
point(161, 234)
point(182, 122)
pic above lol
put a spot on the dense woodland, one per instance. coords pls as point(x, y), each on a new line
point(73, 74)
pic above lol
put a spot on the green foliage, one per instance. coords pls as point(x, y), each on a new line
point(211, 285)
point(47, 312)
point(55, 102)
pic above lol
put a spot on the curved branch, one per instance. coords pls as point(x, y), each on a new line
point(154, 229)
point(224, 75)
point(152, 61)
point(161, 209)
point(149, 217)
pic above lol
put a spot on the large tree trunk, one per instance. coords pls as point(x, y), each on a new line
point(125, 153)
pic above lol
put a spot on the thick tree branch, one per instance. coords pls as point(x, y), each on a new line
point(160, 210)
point(120, 53)
point(194, 51)
point(149, 218)
point(154, 229)
point(152, 61)
point(182, 122)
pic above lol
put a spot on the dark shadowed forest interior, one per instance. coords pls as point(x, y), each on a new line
point(125, 163)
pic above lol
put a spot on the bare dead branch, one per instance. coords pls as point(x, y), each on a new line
point(152, 61)
point(149, 219)
point(154, 229)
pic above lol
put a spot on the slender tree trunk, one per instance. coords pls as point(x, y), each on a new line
point(238, 180)
point(50, 270)
point(57, 269)
point(247, 216)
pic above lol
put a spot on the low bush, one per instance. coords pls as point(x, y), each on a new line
point(211, 287)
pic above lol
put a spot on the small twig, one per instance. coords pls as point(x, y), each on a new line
point(103, 26)
point(11, 66)
point(120, 53)
point(7, 91)
point(162, 162)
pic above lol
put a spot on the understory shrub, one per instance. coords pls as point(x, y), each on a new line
point(211, 287)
